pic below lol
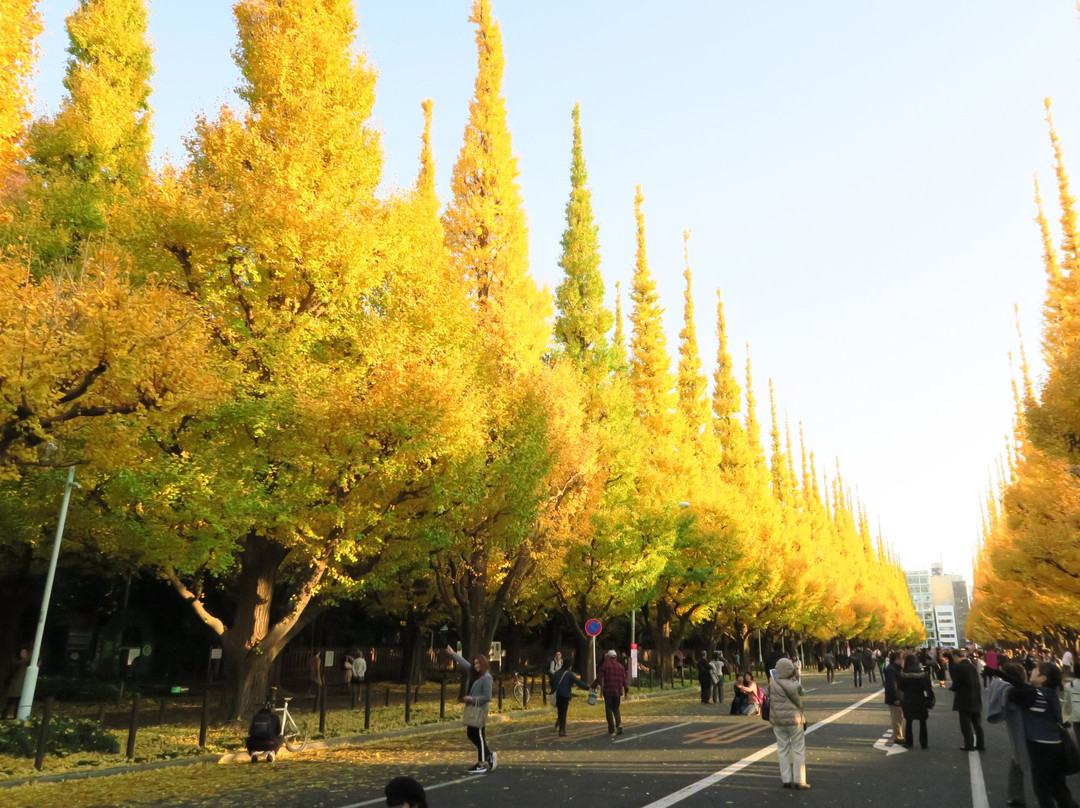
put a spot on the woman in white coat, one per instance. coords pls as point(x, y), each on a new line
point(788, 723)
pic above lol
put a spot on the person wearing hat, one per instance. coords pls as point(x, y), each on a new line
point(788, 723)
point(612, 678)
point(404, 792)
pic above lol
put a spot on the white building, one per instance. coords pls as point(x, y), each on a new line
point(918, 584)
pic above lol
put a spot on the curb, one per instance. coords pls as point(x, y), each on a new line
point(349, 740)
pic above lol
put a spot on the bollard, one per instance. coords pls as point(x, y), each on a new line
point(161, 711)
point(322, 707)
point(101, 716)
point(204, 724)
point(500, 691)
point(408, 702)
point(442, 699)
point(543, 686)
point(43, 733)
point(134, 727)
point(387, 696)
point(367, 704)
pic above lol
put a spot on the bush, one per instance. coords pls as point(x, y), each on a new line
point(66, 735)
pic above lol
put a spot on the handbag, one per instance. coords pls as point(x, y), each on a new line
point(1072, 751)
point(592, 697)
point(766, 708)
point(475, 715)
point(931, 699)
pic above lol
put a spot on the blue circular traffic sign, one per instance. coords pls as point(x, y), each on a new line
point(593, 627)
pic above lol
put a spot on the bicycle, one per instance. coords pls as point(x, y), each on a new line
point(296, 734)
point(521, 692)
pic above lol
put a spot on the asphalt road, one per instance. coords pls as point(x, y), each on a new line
point(674, 752)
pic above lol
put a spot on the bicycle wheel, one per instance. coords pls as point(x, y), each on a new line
point(525, 697)
point(519, 692)
point(296, 734)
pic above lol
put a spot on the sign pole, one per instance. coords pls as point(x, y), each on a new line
point(594, 669)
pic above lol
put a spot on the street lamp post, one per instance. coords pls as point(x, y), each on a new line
point(26, 699)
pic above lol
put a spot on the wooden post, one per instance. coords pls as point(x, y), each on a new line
point(500, 690)
point(442, 699)
point(322, 707)
point(204, 723)
point(43, 733)
point(134, 727)
point(543, 686)
point(408, 702)
point(161, 711)
point(367, 704)
point(101, 715)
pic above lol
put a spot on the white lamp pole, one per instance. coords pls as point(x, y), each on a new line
point(26, 699)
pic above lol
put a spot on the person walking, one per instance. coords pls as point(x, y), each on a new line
point(829, 661)
point(917, 697)
point(562, 687)
point(612, 678)
point(857, 666)
point(893, 698)
point(870, 662)
point(967, 700)
point(480, 685)
point(718, 677)
point(704, 677)
point(788, 724)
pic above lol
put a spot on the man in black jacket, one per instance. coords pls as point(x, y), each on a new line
point(893, 697)
point(967, 701)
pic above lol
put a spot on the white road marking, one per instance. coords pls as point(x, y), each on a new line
point(735, 768)
point(382, 800)
point(653, 732)
point(979, 799)
point(883, 744)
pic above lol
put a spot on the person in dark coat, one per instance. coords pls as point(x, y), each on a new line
point(916, 692)
point(967, 701)
point(704, 677)
point(857, 666)
point(563, 682)
point(894, 698)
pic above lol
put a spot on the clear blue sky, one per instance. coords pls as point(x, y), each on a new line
point(857, 178)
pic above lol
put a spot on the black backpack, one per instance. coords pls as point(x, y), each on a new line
point(265, 725)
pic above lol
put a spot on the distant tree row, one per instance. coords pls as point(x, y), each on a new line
point(1027, 574)
point(283, 389)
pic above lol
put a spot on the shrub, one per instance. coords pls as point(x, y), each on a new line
point(66, 735)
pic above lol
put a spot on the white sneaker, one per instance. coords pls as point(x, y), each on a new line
point(494, 761)
point(479, 768)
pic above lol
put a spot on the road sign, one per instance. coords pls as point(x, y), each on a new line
point(593, 627)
